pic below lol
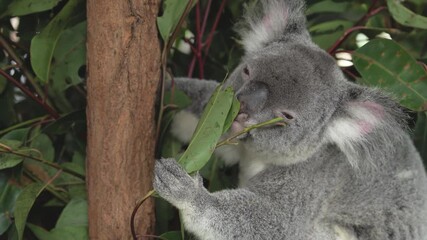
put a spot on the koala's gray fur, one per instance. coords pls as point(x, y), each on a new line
point(343, 168)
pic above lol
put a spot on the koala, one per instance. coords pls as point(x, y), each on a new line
point(343, 167)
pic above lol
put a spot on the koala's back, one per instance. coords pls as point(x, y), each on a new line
point(386, 201)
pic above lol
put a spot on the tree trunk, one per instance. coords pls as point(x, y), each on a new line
point(123, 63)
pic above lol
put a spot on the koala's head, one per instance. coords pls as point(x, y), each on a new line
point(284, 74)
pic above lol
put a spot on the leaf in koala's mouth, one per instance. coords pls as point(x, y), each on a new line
point(232, 114)
point(209, 129)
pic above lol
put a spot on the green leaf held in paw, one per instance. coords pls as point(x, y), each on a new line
point(208, 130)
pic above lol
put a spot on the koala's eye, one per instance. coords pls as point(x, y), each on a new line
point(246, 71)
point(287, 115)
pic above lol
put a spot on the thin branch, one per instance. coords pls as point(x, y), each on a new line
point(371, 12)
point(11, 51)
point(8, 150)
point(344, 37)
point(199, 46)
point(191, 67)
point(213, 29)
point(135, 210)
point(277, 121)
point(205, 19)
point(27, 92)
point(49, 186)
point(188, 41)
point(29, 122)
point(152, 236)
point(348, 72)
point(165, 52)
point(176, 31)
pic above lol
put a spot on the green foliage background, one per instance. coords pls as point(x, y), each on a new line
point(43, 95)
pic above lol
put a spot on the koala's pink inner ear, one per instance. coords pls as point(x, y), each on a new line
point(365, 127)
point(266, 29)
point(375, 108)
point(367, 115)
point(361, 119)
point(275, 17)
point(266, 22)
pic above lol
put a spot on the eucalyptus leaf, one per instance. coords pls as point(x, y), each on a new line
point(327, 6)
point(8, 113)
point(78, 168)
point(40, 232)
point(208, 130)
point(8, 160)
point(12, 144)
point(405, 16)
point(174, 235)
point(170, 146)
point(17, 135)
point(43, 45)
point(172, 12)
point(77, 191)
point(3, 84)
point(383, 63)
point(234, 110)
point(74, 214)
point(8, 195)
point(3, 6)
point(180, 99)
point(70, 233)
point(69, 56)
point(23, 205)
point(44, 145)
point(326, 33)
point(24, 7)
point(63, 233)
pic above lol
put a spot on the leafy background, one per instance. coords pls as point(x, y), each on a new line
point(43, 92)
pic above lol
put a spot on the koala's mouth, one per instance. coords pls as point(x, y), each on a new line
point(243, 120)
point(240, 123)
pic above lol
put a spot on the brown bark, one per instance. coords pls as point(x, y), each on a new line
point(123, 63)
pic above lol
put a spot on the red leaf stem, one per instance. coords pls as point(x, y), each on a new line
point(371, 12)
point(27, 92)
point(213, 29)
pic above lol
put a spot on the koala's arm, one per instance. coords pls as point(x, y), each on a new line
point(198, 90)
point(228, 214)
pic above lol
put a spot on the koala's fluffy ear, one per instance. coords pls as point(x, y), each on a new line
point(273, 21)
point(366, 120)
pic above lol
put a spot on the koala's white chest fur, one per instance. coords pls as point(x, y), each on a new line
point(252, 162)
point(250, 166)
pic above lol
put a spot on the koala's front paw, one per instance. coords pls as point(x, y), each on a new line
point(173, 184)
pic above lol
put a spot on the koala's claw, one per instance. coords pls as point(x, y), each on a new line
point(173, 184)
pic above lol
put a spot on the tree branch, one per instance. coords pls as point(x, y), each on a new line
point(27, 92)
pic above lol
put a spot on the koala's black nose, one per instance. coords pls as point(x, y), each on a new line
point(252, 98)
